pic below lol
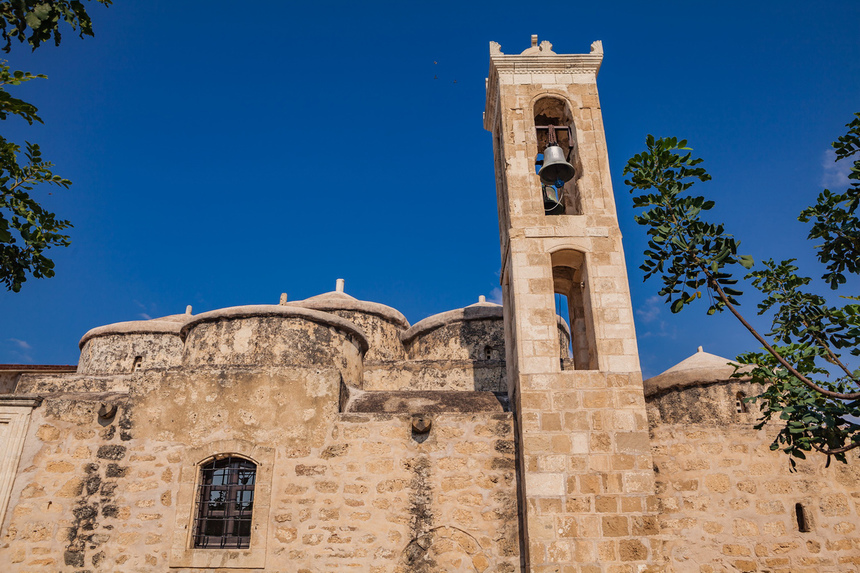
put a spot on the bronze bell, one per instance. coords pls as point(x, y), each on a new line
point(553, 200)
point(555, 171)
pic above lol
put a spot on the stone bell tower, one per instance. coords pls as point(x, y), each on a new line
point(586, 484)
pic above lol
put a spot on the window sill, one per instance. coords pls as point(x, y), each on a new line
point(219, 559)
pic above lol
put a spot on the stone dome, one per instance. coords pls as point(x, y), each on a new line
point(131, 327)
point(381, 324)
point(126, 347)
point(335, 300)
point(700, 369)
point(476, 332)
point(700, 390)
point(481, 310)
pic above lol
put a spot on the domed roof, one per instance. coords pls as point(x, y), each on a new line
point(481, 310)
point(183, 318)
point(699, 369)
point(171, 324)
point(258, 310)
point(339, 300)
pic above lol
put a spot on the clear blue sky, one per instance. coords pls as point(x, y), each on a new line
point(222, 155)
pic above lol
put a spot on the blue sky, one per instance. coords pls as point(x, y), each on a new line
point(221, 156)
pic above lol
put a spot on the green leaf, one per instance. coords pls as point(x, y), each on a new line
point(686, 252)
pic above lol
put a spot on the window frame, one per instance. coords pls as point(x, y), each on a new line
point(183, 553)
point(230, 469)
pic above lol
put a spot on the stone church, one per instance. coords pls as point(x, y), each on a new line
point(329, 434)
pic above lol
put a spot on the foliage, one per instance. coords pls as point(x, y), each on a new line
point(691, 256)
point(27, 230)
point(42, 18)
point(835, 216)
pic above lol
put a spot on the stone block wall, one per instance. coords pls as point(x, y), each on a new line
point(385, 502)
point(8, 382)
point(450, 375)
point(588, 473)
point(728, 503)
point(358, 493)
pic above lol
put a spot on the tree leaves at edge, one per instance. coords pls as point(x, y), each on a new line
point(819, 409)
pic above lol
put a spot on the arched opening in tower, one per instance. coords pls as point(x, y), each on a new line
point(570, 279)
point(553, 111)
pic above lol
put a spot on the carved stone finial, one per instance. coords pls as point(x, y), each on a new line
point(283, 298)
point(339, 285)
point(188, 309)
point(544, 49)
point(495, 49)
point(482, 298)
point(700, 349)
point(597, 47)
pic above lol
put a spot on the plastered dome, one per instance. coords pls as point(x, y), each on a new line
point(381, 324)
point(700, 389)
point(126, 347)
point(273, 336)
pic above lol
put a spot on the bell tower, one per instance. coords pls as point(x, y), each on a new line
point(585, 477)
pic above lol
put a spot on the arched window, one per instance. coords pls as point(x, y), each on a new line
point(551, 111)
point(570, 280)
point(225, 504)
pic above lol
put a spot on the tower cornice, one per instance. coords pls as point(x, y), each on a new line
point(539, 59)
point(558, 63)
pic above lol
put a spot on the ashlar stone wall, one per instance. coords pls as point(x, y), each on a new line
point(728, 503)
point(357, 492)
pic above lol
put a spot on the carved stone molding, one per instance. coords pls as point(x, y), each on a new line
point(14, 420)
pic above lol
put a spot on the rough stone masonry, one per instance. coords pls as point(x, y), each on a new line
point(330, 434)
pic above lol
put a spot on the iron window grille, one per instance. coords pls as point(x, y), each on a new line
point(226, 502)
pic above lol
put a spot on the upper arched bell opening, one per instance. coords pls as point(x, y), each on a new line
point(556, 162)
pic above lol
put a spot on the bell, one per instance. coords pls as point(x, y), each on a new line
point(553, 200)
point(555, 171)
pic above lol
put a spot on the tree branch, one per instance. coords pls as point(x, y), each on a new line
point(809, 383)
point(841, 450)
point(833, 358)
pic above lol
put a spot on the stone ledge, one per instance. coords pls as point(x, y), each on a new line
point(21, 400)
point(426, 402)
